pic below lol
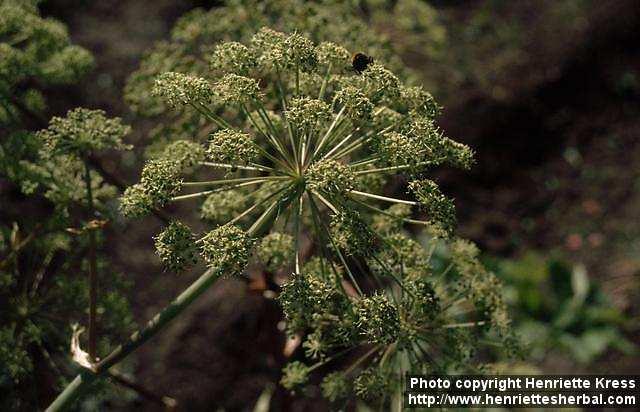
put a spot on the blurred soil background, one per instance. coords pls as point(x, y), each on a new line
point(547, 93)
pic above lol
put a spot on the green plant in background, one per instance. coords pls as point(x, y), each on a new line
point(298, 145)
point(558, 310)
point(44, 260)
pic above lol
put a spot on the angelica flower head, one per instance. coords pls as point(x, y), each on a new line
point(299, 151)
point(83, 131)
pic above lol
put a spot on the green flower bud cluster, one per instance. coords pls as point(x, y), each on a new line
point(231, 146)
point(441, 148)
point(300, 51)
point(83, 131)
point(227, 248)
point(295, 376)
point(233, 57)
point(330, 53)
point(176, 247)
point(392, 220)
point(380, 81)
point(276, 250)
point(351, 234)
point(305, 113)
point(307, 294)
point(420, 101)
point(482, 287)
point(236, 90)
point(178, 89)
point(403, 255)
point(335, 386)
point(271, 43)
point(439, 208)
point(330, 176)
point(358, 107)
point(372, 384)
point(185, 153)
point(377, 319)
point(221, 207)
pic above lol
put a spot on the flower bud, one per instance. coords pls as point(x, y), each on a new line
point(331, 53)
point(136, 202)
point(420, 101)
point(221, 207)
point(234, 89)
point(179, 89)
point(231, 146)
point(335, 386)
point(304, 112)
point(357, 106)
point(381, 82)
point(184, 153)
point(351, 234)
point(176, 247)
point(161, 180)
point(227, 248)
point(372, 384)
point(300, 52)
point(233, 57)
point(377, 319)
point(83, 131)
point(295, 375)
point(440, 209)
point(269, 44)
point(330, 176)
point(276, 251)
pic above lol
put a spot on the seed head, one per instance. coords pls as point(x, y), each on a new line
point(176, 247)
point(178, 89)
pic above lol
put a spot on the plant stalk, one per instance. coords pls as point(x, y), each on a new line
point(93, 268)
point(81, 382)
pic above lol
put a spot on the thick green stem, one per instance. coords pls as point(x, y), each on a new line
point(80, 384)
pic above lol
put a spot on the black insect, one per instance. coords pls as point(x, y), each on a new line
point(360, 62)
